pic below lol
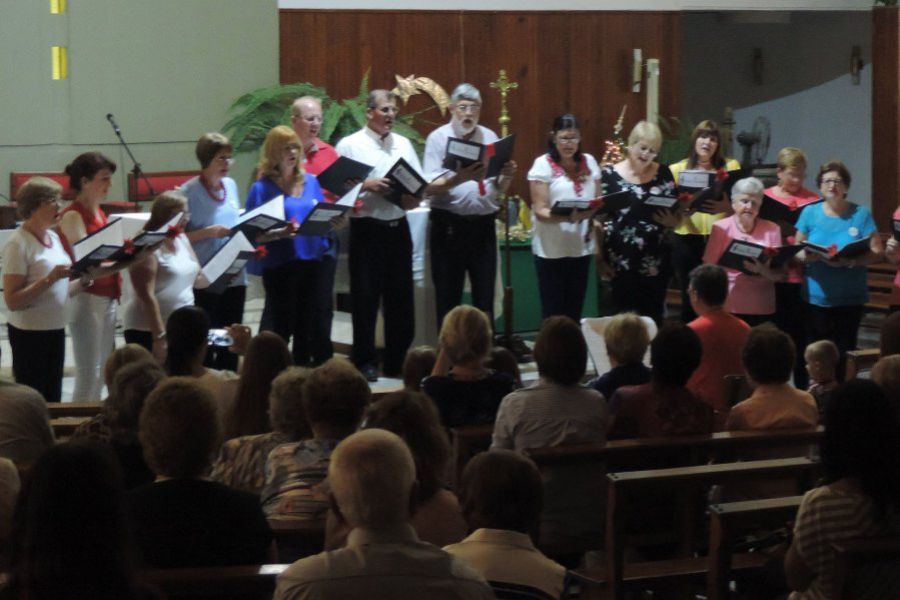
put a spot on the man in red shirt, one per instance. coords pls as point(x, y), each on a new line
point(306, 119)
point(721, 334)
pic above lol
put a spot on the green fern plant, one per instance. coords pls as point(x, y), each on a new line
point(258, 111)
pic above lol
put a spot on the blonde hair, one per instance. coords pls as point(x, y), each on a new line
point(824, 352)
point(34, 193)
point(466, 334)
point(277, 141)
point(626, 338)
point(791, 158)
point(129, 353)
point(648, 132)
point(164, 207)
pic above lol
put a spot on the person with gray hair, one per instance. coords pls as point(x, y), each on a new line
point(463, 208)
point(380, 240)
point(36, 286)
point(751, 293)
point(372, 476)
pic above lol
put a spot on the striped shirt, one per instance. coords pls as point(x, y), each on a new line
point(828, 514)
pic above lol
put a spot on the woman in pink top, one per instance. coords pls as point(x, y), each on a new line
point(751, 297)
point(790, 191)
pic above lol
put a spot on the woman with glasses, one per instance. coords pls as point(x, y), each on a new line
point(635, 254)
point(563, 244)
point(836, 288)
point(291, 268)
point(36, 285)
point(690, 237)
point(214, 206)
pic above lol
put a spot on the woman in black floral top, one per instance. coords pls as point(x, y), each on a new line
point(635, 253)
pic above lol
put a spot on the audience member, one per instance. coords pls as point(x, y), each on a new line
point(861, 496)
point(25, 431)
point(626, 338)
point(130, 388)
point(187, 332)
point(372, 476)
point(663, 407)
point(822, 359)
point(241, 464)
point(184, 520)
point(437, 517)
point(70, 538)
point(886, 373)
point(721, 335)
point(10, 485)
point(503, 360)
point(890, 335)
point(555, 411)
point(417, 366)
point(267, 355)
point(97, 427)
point(334, 398)
point(502, 496)
point(463, 389)
point(768, 357)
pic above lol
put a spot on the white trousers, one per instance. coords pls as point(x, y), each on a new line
point(92, 325)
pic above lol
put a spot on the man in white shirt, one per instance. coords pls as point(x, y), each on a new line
point(463, 233)
point(380, 241)
point(372, 479)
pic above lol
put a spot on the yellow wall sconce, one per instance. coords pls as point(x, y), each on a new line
point(59, 58)
point(57, 7)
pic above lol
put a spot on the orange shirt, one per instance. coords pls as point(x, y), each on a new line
point(774, 406)
point(722, 336)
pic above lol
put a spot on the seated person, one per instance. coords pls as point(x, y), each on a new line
point(417, 366)
point(886, 373)
point(464, 390)
point(183, 520)
point(372, 476)
point(861, 495)
point(822, 359)
point(25, 432)
point(663, 407)
point(503, 360)
point(334, 398)
point(437, 517)
point(241, 464)
point(10, 485)
point(721, 334)
point(626, 338)
point(502, 495)
point(768, 357)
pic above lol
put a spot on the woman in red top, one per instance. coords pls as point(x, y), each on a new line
point(789, 309)
point(92, 321)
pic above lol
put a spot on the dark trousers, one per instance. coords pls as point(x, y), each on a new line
point(687, 254)
point(460, 246)
point(562, 283)
point(38, 358)
point(141, 338)
point(381, 272)
point(294, 294)
point(790, 317)
point(840, 324)
point(642, 294)
point(224, 309)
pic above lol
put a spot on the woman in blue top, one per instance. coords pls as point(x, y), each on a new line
point(214, 207)
point(835, 289)
point(292, 267)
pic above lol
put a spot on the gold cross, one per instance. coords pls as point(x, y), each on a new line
point(503, 85)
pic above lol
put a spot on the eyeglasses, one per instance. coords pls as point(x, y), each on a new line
point(568, 140)
point(830, 182)
point(468, 108)
point(388, 110)
point(225, 160)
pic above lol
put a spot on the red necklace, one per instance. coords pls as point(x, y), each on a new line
point(581, 173)
point(217, 195)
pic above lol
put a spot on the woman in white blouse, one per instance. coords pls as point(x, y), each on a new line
point(36, 270)
point(563, 244)
point(162, 283)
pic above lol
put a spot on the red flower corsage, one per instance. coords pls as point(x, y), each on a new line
point(769, 252)
point(128, 247)
point(685, 197)
point(596, 203)
point(721, 175)
point(174, 231)
point(832, 250)
point(261, 252)
point(791, 240)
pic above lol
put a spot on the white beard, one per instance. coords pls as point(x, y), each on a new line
point(461, 129)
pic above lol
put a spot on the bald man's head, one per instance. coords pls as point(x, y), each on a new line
point(372, 474)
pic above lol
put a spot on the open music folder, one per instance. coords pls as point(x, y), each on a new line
point(318, 221)
point(228, 260)
point(264, 218)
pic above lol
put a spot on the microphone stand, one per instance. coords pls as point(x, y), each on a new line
point(137, 171)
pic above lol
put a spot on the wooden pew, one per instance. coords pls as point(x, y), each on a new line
point(296, 538)
point(852, 557)
point(727, 521)
point(245, 581)
point(64, 427)
point(679, 487)
point(860, 360)
point(466, 442)
point(74, 409)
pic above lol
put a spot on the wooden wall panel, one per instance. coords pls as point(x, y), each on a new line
point(576, 62)
point(885, 113)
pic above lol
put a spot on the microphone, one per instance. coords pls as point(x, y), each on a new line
point(112, 121)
